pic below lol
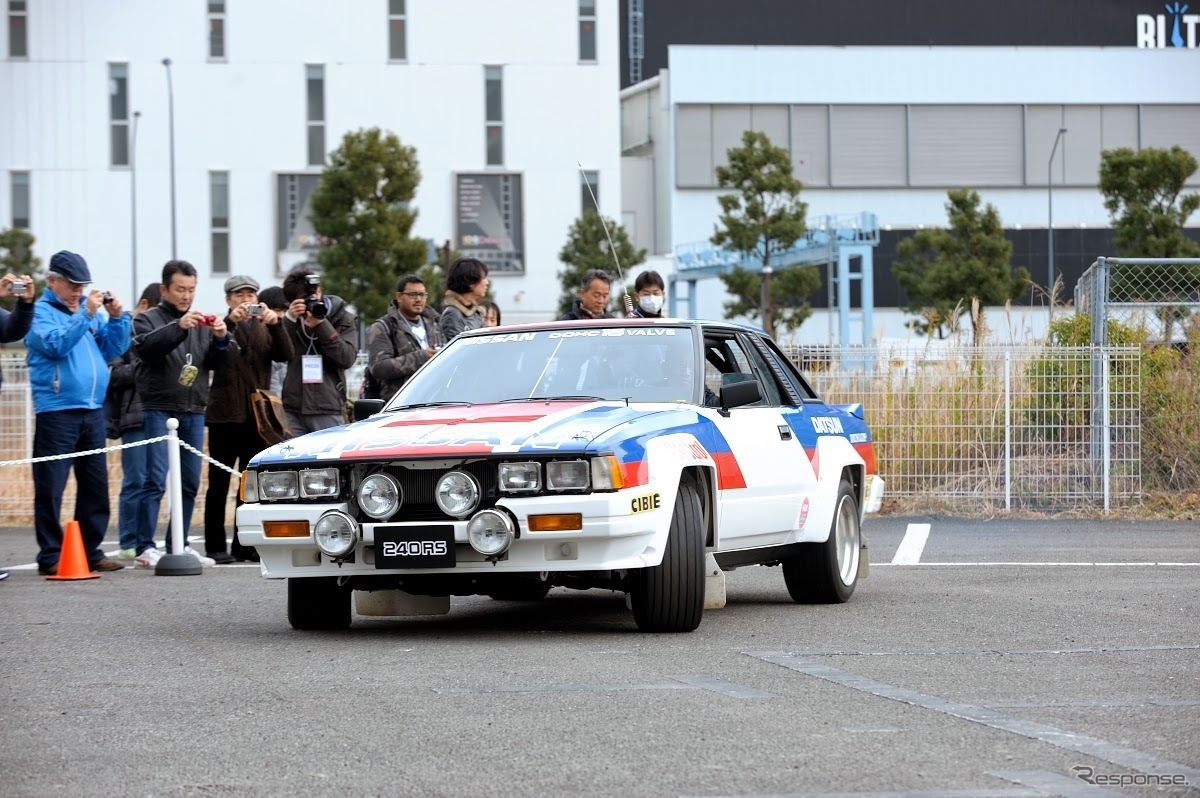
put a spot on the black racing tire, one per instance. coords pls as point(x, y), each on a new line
point(528, 590)
point(669, 597)
point(317, 603)
point(826, 573)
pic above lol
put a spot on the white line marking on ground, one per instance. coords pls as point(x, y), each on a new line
point(909, 552)
point(1018, 563)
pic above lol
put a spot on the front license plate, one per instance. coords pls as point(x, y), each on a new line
point(414, 546)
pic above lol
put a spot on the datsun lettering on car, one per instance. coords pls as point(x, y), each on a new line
point(643, 456)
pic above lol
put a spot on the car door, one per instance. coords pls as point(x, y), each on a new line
point(763, 444)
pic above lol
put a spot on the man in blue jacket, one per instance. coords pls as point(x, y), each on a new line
point(69, 348)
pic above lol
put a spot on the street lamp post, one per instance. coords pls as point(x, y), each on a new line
point(1050, 219)
point(171, 127)
point(133, 206)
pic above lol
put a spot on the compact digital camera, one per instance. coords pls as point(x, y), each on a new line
point(18, 287)
point(107, 297)
point(254, 310)
point(314, 305)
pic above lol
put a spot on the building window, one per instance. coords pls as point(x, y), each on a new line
point(18, 35)
point(315, 76)
point(587, 31)
point(397, 26)
point(218, 189)
point(591, 179)
point(20, 199)
point(493, 81)
point(216, 30)
point(118, 113)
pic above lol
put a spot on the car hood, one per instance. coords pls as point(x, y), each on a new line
point(459, 431)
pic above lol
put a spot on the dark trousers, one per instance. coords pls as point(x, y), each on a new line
point(65, 432)
point(234, 445)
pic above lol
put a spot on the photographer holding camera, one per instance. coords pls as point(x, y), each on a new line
point(69, 346)
point(176, 349)
point(14, 324)
point(233, 436)
point(324, 334)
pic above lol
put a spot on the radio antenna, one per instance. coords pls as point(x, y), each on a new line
point(611, 247)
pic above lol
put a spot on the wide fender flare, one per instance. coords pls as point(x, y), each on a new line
point(666, 458)
point(834, 454)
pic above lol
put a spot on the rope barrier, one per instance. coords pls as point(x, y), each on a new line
point(148, 441)
point(69, 455)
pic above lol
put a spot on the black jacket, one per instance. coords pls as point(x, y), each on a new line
point(394, 352)
point(15, 324)
point(577, 313)
point(163, 348)
point(336, 340)
point(126, 404)
point(259, 345)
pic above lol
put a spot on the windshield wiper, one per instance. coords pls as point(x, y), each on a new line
point(428, 404)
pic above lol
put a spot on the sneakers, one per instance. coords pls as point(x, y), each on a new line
point(205, 561)
point(3, 575)
point(148, 558)
point(107, 565)
point(222, 558)
point(127, 554)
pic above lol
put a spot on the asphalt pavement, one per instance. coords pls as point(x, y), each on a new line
point(992, 658)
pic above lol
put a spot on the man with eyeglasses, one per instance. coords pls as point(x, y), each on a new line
point(398, 343)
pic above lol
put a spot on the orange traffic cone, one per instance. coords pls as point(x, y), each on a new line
point(72, 562)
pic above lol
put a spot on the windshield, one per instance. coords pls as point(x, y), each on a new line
point(641, 364)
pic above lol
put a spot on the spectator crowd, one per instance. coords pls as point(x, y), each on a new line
point(99, 371)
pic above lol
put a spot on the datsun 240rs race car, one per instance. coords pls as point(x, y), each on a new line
point(644, 456)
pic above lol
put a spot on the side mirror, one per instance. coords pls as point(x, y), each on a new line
point(737, 394)
point(365, 408)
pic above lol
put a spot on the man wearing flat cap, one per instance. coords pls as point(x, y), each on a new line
point(232, 433)
point(69, 346)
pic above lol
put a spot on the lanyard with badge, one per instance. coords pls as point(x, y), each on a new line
point(310, 364)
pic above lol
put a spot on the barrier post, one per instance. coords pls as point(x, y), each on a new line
point(178, 562)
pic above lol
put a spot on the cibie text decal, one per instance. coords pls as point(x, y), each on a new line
point(1176, 28)
point(642, 504)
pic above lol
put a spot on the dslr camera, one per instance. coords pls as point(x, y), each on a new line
point(312, 304)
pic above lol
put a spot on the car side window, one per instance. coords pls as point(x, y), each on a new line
point(728, 360)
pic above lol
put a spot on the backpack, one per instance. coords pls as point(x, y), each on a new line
point(372, 388)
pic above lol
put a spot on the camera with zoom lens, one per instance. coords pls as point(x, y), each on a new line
point(314, 305)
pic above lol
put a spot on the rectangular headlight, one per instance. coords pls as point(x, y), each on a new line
point(319, 482)
point(278, 485)
point(249, 487)
point(568, 475)
point(520, 477)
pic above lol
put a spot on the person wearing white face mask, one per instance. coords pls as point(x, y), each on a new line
point(649, 293)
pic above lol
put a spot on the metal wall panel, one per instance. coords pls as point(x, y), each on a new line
point(1081, 144)
point(729, 122)
point(965, 145)
point(870, 145)
point(1119, 127)
point(1166, 126)
point(693, 146)
point(810, 144)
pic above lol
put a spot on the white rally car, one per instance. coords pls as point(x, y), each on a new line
point(645, 456)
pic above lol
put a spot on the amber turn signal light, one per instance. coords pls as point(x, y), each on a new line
point(285, 529)
point(559, 522)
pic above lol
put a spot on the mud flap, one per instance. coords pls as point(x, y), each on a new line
point(864, 561)
point(714, 584)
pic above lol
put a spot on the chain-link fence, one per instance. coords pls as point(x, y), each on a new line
point(957, 427)
point(1146, 300)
